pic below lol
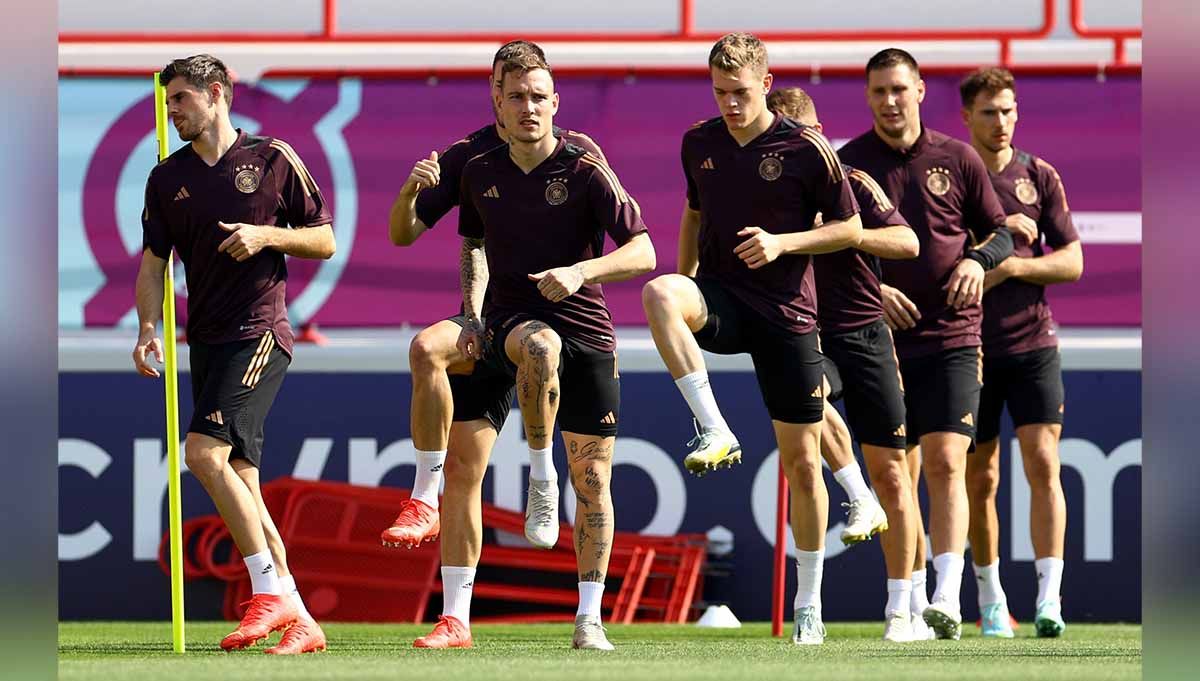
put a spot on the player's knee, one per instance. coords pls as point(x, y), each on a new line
point(806, 475)
point(982, 482)
point(940, 468)
point(203, 462)
point(542, 349)
point(463, 471)
point(592, 477)
point(658, 295)
point(892, 488)
point(426, 354)
point(1042, 467)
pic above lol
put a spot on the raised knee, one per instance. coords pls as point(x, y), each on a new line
point(542, 349)
point(204, 463)
point(892, 488)
point(658, 294)
point(425, 353)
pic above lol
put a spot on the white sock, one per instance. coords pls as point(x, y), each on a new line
point(1049, 573)
point(949, 567)
point(429, 476)
point(590, 596)
point(457, 585)
point(810, 565)
point(899, 595)
point(288, 587)
point(920, 592)
point(851, 479)
point(987, 577)
point(541, 464)
point(699, 395)
point(263, 577)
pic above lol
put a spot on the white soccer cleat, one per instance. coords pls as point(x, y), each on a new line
point(945, 618)
point(541, 514)
point(808, 630)
point(714, 449)
point(920, 630)
point(898, 627)
point(589, 634)
point(866, 518)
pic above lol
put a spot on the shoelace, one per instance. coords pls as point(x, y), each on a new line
point(253, 607)
point(855, 509)
point(806, 621)
point(541, 507)
point(703, 437)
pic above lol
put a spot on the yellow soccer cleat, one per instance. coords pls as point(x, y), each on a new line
point(713, 449)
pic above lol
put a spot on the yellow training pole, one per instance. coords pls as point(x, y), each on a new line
point(174, 505)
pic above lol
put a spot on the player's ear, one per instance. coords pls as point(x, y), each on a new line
point(555, 100)
point(920, 90)
point(966, 116)
point(767, 81)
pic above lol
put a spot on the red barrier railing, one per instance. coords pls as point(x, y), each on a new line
point(1117, 35)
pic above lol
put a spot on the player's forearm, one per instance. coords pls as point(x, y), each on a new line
point(829, 237)
point(689, 245)
point(315, 243)
point(896, 242)
point(994, 249)
point(1060, 267)
point(473, 275)
point(633, 259)
point(403, 225)
point(149, 291)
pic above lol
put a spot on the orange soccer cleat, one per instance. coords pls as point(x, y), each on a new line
point(304, 636)
point(447, 633)
point(267, 613)
point(418, 522)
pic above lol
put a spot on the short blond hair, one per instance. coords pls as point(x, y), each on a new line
point(735, 51)
point(792, 102)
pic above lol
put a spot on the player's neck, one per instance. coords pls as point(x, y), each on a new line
point(905, 141)
point(996, 161)
point(212, 144)
point(527, 155)
point(500, 131)
point(744, 136)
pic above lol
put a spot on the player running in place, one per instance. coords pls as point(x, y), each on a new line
point(756, 182)
point(933, 302)
point(232, 205)
point(857, 342)
point(542, 206)
point(458, 408)
point(1020, 352)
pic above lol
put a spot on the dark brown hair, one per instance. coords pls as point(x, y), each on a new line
point(990, 79)
point(199, 71)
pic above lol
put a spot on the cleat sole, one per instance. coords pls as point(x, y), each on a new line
point(943, 625)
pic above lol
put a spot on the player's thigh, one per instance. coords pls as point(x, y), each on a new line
point(873, 388)
point(942, 395)
point(1035, 388)
point(681, 293)
point(992, 396)
point(724, 329)
point(790, 373)
point(438, 342)
point(590, 385)
point(799, 444)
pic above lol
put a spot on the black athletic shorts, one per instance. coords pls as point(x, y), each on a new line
point(233, 388)
point(788, 365)
point(589, 384)
point(868, 375)
point(485, 393)
point(941, 392)
point(1029, 383)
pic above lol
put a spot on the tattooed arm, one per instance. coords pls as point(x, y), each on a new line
point(473, 278)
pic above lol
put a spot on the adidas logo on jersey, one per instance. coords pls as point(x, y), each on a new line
point(182, 194)
point(492, 193)
point(215, 417)
point(708, 164)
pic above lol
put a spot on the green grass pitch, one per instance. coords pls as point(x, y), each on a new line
point(130, 651)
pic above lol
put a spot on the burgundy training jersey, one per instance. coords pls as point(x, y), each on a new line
point(434, 202)
point(941, 185)
point(259, 181)
point(1016, 317)
point(555, 216)
point(779, 181)
point(848, 280)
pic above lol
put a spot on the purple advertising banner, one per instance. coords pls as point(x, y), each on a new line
point(360, 139)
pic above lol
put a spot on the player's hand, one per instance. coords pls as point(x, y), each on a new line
point(758, 250)
point(559, 283)
point(966, 284)
point(244, 241)
point(147, 344)
point(426, 173)
point(470, 339)
point(1023, 226)
point(899, 312)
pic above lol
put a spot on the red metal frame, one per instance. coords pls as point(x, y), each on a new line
point(1117, 35)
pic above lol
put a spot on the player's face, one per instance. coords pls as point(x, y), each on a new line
point(496, 88)
point(741, 97)
point(992, 119)
point(192, 111)
point(895, 95)
point(528, 105)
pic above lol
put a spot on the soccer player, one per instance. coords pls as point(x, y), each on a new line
point(457, 406)
point(232, 205)
point(858, 343)
point(755, 183)
point(542, 206)
point(933, 302)
point(1020, 352)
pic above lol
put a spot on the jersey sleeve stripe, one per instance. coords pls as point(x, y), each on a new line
point(609, 175)
point(831, 160)
point(310, 185)
point(872, 186)
point(1058, 181)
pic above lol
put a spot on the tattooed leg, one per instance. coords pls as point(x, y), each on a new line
point(535, 348)
point(591, 474)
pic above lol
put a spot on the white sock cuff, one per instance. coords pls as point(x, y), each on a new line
point(918, 577)
point(288, 584)
point(457, 571)
point(899, 585)
point(696, 379)
point(591, 595)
